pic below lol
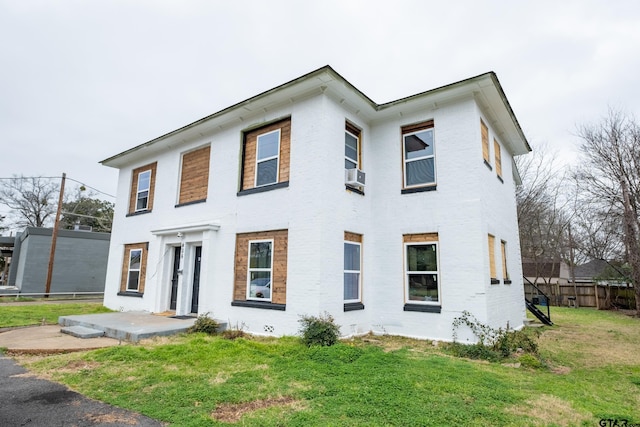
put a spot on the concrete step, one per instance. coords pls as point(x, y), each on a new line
point(82, 331)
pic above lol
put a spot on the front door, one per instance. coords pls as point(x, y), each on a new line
point(174, 278)
point(196, 280)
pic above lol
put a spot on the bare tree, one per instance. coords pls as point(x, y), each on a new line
point(610, 175)
point(542, 214)
point(32, 200)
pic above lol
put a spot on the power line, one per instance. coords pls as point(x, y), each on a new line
point(57, 177)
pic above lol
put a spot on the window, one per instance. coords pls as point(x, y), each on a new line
point(492, 259)
point(133, 268)
point(351, 147)
point(498, 158)
point(142, 185)
point(421, 269)
point(485, 142)
point(265, 158)
point(194, 176)
point(505, 272)
point(260, 279)
point(418, 146)
point(135, 260)
point(260, 269)
point(352, 267)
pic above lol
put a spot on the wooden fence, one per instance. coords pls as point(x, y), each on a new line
point(587, 295)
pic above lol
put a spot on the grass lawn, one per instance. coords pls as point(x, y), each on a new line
point(33, 313)
point(590, 371)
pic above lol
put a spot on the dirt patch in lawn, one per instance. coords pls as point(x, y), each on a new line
point(547, 410)
point(231, 413)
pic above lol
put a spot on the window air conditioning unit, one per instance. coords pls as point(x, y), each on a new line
point(354, 177)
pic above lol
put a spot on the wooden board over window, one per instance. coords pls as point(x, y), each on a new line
point(249, 152)
point(420, 238)
point(485, 141)
point(498, 156)
point(492, 256)
point(194, 177)
point(279, 279)
point(352, 237)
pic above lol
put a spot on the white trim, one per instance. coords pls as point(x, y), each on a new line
point(261, 269)
point(129, 269)
point(430, 156)
point(408, 272)
point(148, 190)
point(359, 299)
point(186, 228)
point(277, 157)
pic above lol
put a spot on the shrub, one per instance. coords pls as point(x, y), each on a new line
point(319, 330)
point(493, 344)
point(204, 324)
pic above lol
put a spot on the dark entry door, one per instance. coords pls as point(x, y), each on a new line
point(196, 280)
point(174, 277)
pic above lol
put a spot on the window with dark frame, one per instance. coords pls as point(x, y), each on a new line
point(421, 273)
point(418, 155)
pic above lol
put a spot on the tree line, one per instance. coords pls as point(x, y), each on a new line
point(588, 211)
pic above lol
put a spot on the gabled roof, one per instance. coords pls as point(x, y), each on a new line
point(485, 88)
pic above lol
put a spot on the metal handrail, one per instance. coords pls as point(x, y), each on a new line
point(541, 293)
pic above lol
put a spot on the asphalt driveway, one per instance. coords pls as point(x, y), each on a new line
point(26, 400)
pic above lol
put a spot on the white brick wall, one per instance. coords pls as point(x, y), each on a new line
point(316, 209)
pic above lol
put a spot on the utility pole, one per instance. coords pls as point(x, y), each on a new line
point(54, 238)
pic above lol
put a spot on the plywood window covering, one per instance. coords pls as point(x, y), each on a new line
point(352, 267)
point(492, 256)
point(352, 147)
point(194, 176)
point(265, 247)
point(503, 250)
point(485, 141)
point(134, 267)
point(143, 181)
point(418, 155)
point(498, 157)
point(422, 277)
point(262, 162)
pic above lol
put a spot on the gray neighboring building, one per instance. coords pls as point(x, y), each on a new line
point(80, 261)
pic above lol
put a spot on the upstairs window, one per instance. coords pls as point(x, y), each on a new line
point(265, 157)
point(142, 188)
point(484, 131)
point(142, 195)
point(194, 176)
point(418, 146)
point(498, 158)
point(351, 147)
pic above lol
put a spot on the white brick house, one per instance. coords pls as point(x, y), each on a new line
point(246, 214)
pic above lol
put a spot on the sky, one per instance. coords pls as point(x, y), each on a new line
point(81, 81)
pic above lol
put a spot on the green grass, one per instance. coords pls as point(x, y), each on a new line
point(589, 371)
point(25, 315)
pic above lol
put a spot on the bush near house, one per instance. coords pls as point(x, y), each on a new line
point(319, 330)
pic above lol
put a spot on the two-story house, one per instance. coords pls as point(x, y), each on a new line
point(312, 198)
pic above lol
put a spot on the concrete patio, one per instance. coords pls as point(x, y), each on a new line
point(125, 326)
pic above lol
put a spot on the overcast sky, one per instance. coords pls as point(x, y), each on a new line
point(81, 81)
